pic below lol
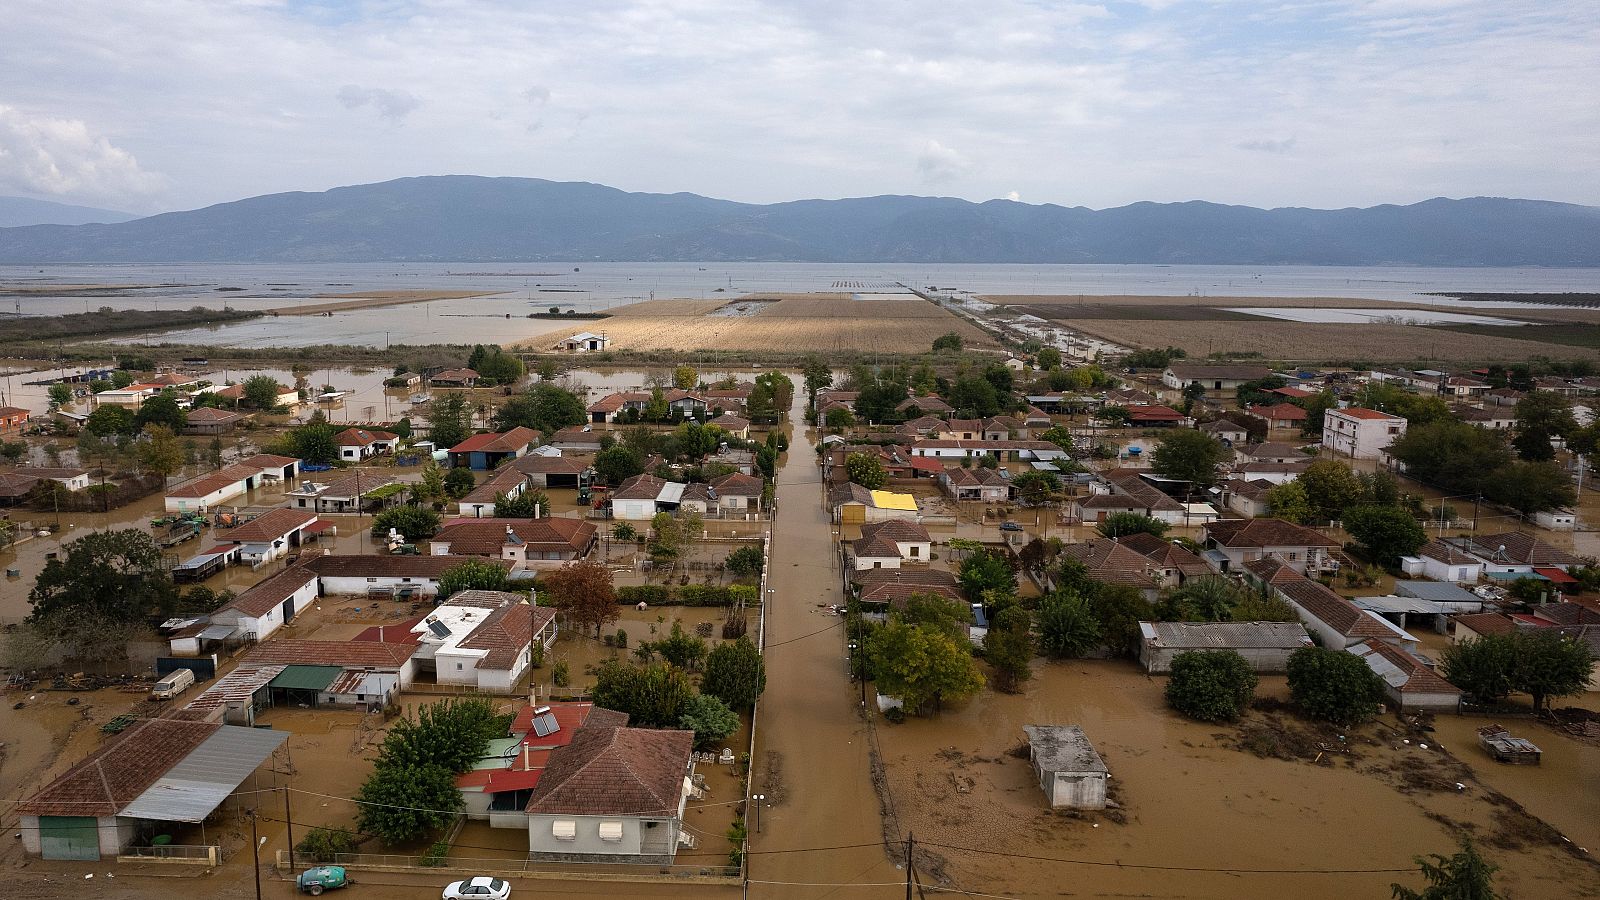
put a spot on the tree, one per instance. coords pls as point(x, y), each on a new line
point(531, 504)
point(653, 696)
point(108, 420)
point(260, 391)
point(1211, 686)
point(735, 673)
point(1329, 486)
point(1205, 598)
point(710, 719)
point(1068, 627)
point(1059, 436)
point(1288, 501)
point(1530, 487)
point(1188, 455)
point(818, 375)
point(922, 667)
point(472, 575)
point(668, 538)
point(459, 482)
point(1385, 532)
point(500, 367)
point(1550, 664)
point(1121, 524)
point(583, 591)
point(449, 420)
point(411, 791)
point(1483, 667)
point(989, 570)
point(975, 397)
point(1333, 685)
point(618, 464)
point(684, 378)
point(545, 407)
point(1035, 487)
point(947, 341)
point(1316, 407)
point(99, 590)
point(682, 649)
point(162, 409)
point(1456, 456)
point(431, 487)
point(1008, 646)
point(1048, 358)
point(400, 803)
point(767, 462)
point(744, 562)
point(414, 523)
point(60, 395)
point(1542, 415)
point(313, 442)
point(1262, 606)
point(1464, 876)
point(1120, 608)
point(838, 419)
point(160, 452)
point(866, 470)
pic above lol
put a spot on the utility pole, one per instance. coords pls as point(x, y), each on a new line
point(911, 843)
point(288, 823)
point(255, 853)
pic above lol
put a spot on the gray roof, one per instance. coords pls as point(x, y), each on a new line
point(1391, 603)
point(1063, 748)
point(1437, 591)
point(194, 787)
point(1225, 635)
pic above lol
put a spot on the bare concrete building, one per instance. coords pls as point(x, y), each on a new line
point(1070, 772)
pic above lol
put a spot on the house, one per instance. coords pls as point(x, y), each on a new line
point(585, 342)
point(71, 479)
point(454, 378)
point(1462, 387)
point(1227, 432)
point(499, 785)
point(975, 484)
point(1174, 563)
point(884, 545)
point(272, 534)
point(1513, 553)
point(1336, 622)
point(733, 425)
point(482, 639)
point(1215, 379)
point(234, 699)
point(1265, 645)
point(1279, 415)
point(486, 451)
point(1155, 416)
point(12, 418)
point(1130, 397)
point(1452, 598)
point(962, 430)
point(1003, 428)
point(1108, 562)
point(1360, 433)
point(346, 495)
point(610, 407)
point(208, 420)
point(1274, 472)
point(359, 443)
point(480, 501)
point(853, 504)
point(896, 462)
point(613, 794)
point(1442, 561)
point(739, 460)
point(1035, 418)
point(527, 543)
point(1070, 772)
point(737, 493)
point(640, 497)
point(920, 427)
point(156, 772)
point(398, 576)
point(1556, 519)
point(1476, 625)
point(552, 471)
point(132, 396)
point(269, 605)
point(1271, 452)
point(930, 405)
point(1494, 418)
point(1247, 498)
point(1292, 393)
point(1241, 540)
point(1018, 450)
point(366, 674)
point(202, 493)
point(880, 589)
point(577, 439)
point(234, 393)
point(1015, 364)
point(1407, 681)
point(1126, 492)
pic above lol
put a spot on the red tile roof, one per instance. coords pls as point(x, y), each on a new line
point(1357, 412)
point(506, 632)
point(360, 437)
point(121, 769)
point(549, 465)
point(1420, 679)
point(1487, 623)
point(270, 525)
point(1333, 610)
point(511, 441)
point(1263, 532)
point(894, 586)
point(738, 484)
point(1284, 412)
point(479, 537)
point(354, 654)
point(1110, 562)
point(1523, 548)
point(271, 593)
point(882, 539)
point(616, 772)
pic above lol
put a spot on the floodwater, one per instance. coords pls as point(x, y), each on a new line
point(1374, 316)
point(516, 289)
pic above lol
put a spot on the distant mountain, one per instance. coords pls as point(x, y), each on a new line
point(15, 211)
point(468, 218)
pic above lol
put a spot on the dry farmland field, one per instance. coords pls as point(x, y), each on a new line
point(778, 323)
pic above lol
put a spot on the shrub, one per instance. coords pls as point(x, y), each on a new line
point(1213, 686)
point(437, 855)
point(321, 845)
point(559, 674)
point(1333, 685)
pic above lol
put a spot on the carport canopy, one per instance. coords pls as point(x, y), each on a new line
point(190, 790)
point(306, 678)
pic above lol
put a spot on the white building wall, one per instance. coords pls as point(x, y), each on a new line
point(358, 585)
point(634, 510)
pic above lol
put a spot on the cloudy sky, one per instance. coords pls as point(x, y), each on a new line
point(175, 104)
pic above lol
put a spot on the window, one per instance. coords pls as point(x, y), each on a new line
point(1292, 558)
point(458, 667)
point(915, 550)
point(372, 581)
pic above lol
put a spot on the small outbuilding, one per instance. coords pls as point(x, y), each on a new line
point(1069, 770)
point(1265, 645)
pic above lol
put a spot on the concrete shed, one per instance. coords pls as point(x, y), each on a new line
point(1265, 645)
point(1070, 772)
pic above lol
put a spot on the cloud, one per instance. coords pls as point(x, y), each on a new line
point(1267, 145)
point(538, 95)
point(1014, 196)
point(63, 158)
point(938, 164)
point(392, 105)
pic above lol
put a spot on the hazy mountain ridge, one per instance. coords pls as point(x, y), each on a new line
point(470, 218)
point(22, 211)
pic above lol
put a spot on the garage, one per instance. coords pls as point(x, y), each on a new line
point(69, 837)
point(302, 685)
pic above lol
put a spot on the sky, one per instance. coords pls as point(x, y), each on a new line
point(1328, 103)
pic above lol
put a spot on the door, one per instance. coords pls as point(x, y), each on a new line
point(288, 610)
point(852, 514)
point(69, 837)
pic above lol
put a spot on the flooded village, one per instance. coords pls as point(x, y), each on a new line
point(999, 608)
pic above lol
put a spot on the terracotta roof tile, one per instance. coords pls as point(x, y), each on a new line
point(271, 593)
point(1264, 532)
point(272, 524)
point(615, 772)
point(116, 773)
point(477, 537)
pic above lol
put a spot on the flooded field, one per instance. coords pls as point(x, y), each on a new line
point(1394, 316)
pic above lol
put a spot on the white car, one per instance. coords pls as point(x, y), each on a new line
point(481, 887)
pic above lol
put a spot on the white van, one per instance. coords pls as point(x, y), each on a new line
point(172, 685)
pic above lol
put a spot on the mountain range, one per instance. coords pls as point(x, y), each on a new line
point(16, 211)
point(470, 218)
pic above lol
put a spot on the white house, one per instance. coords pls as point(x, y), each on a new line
point(1556, 519)
point(1360, 433)
point(271, 535)
point(884, 545)
point(1441, 561)
point(360, 574)
point(482, 639)
point(976, 483)
point(1266, 646)
point(1407, 681)
point(263, 609)
point(480, 502)
point(1070, 772)
point(1215, 379)
point(585, 342)
point(1336, 622)
point(854, 504)
point(1242, 540)
point(207, 491)
point(359, 443)
point(525, 543)
point(71, 479)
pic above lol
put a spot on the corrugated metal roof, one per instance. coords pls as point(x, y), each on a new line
point(237, 686)
point(891, 500)
point(190, 790)
point(307, 678)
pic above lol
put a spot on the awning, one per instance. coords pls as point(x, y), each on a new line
point(218, 632)
point(611, 831)
point(194, 787)
point(1556, 575)
point(564, 830)
point(307, 678)
point(1513, 576)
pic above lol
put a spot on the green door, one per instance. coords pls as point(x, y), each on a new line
point(69, 837)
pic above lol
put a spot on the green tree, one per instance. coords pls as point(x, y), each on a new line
point(684, 378)
point(449, 419)
point(710, 719)
point(1330, 486)
point(414, 523)
point(1316, 407)
point(1261, 606)
point(1211, 686)
point(313, 442)
point(99, 590)
point(682, 649)
point(530, 504)
point(922, 667)
point(160, 452)
point(1464, 876)
point(1068, 627)
point(744, 562)
point(472, 574)
point(459, 482)
point(735, 673)
point(1483, 667)
point(500, 367)
point(987, 571)
point(1288, 501)
point(1530, 487)
point(1059, 436)
point(584, 592)
point(1008, 646)
point(1204, 598)
point(162, 409)
point(1122, 524)
point(1385, 532)
point(1333, 685)
point(1455, 456)
point(411, 791)
point(948, 341)
point(1120, 608)
point(818, 375)
point(1540, 416)
point(1035, 487)
point(545, 407)
point(60, 395)
point(108, 420)
point(1551, 664)
point(618, 464)
point(121, 379)
point(1048, 358)
point(260, 391)
point(974, 397)
point(866, 470)
point(400, 804)
point(839, 419)
point(653, 696)
point(1188, 455)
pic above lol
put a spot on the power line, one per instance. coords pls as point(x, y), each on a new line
point(1221, 870)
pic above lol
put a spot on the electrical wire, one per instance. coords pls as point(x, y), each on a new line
point(1221, 870)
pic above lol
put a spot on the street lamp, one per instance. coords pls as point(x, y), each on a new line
point(757, 809)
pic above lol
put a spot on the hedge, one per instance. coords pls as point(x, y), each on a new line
point(687, 595)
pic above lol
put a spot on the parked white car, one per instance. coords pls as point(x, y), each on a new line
point(481, 887)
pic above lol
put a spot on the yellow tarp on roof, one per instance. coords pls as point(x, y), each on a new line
point(891, 500)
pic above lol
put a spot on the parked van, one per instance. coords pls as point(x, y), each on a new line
point(172, 685)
